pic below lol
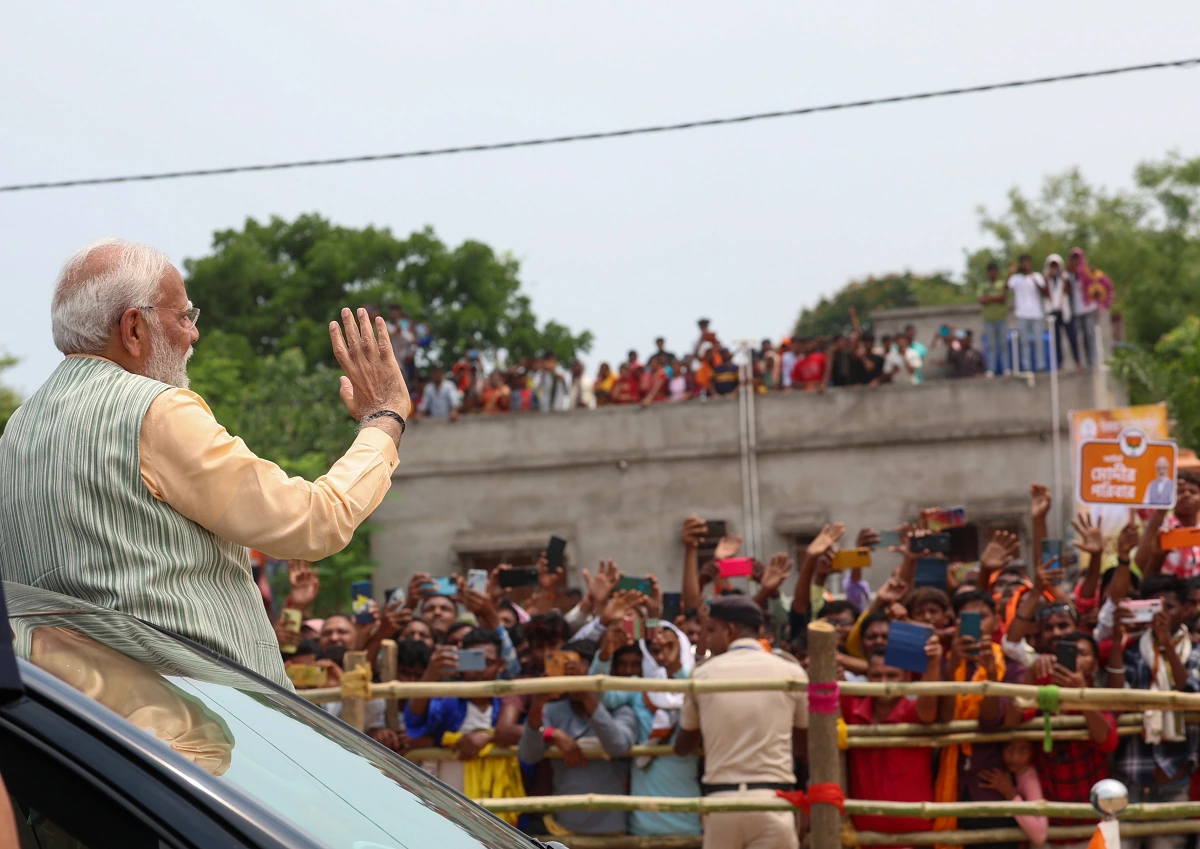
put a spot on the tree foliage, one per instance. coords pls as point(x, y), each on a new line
point(9, 399)
point(1146, 238)
point(278, 285)
point(832, 315)
point(264, 362)
point(1170, 371)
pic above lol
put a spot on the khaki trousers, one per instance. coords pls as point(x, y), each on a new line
point(752, 829)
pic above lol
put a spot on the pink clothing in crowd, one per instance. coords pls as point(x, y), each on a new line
point(1029, 789)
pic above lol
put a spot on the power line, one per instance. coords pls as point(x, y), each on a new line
point(606, 134)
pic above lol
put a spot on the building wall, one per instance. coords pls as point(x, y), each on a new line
point(617, 482)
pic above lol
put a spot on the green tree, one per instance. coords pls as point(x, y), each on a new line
point(1170, 372)
point(832, 315)
point(264, 362)
point(277, 285)
point(1147, 239)
point(9, 399)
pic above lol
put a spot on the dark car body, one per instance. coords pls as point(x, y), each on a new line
point(121, 734)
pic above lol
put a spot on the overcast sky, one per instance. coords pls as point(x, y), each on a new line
point(629, 238)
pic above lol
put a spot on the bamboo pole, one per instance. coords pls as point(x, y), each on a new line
point(877, 838)
point(354, 709)
point(854, 807)
point(630, 841)
point(959, 725)
point(869, 742)
point(824, 759)
point(439, 754)
point(914, 741)
point(1084, 698)
point(1015, 835)
point(389, 657)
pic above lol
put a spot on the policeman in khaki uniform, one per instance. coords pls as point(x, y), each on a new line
point(749, 738)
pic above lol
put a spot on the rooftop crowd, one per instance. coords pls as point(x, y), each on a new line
point(994, 619)
point(1017, 312)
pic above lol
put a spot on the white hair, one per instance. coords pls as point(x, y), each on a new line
point(91, 294)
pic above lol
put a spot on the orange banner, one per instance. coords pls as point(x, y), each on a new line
point(1106, 425)
point(1132, 471)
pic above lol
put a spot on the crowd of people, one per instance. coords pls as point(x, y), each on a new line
point(996, 619)
point(1016, 312)
point(1069, 295)
point(708, 369)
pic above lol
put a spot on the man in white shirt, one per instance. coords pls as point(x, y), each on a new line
point(582, 395)
point(902, 360)
point(788, 362)
point(550, 387)
point(1028, 288)
point(440, 397)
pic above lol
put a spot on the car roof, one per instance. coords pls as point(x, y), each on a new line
point(235, 807)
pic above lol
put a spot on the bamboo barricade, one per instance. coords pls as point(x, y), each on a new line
point(1086, 698)
point(824, 760)
point(854, 807)
point(354, 709)
point(389, 656)
point(876, 838)
point(860, 742)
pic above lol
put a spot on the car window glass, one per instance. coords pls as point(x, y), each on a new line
point(336, 784)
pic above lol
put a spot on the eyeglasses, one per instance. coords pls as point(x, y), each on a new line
point(1053, 609)
point(192, 314)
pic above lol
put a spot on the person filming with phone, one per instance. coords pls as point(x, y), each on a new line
point(749, 739)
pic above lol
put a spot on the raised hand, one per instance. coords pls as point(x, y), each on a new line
point(867, 538)
point(654, 601)
point(893, 591)
point(613, 640)
point(443, 662)
point(494, 590)
point(905, 531)
point(776, 573)
point(1047, 574)
point(395, 618)
point(549, 581)
point(1128, 539)
point(826, 540)
point(601, 585)
point(305, 584)
point(622, 602)
point(1002, 550)
point(694, 531)
point(1039, 496)
point(729, 546)
point(1091, 538)
point(373, 380)
point(481, 605)
point(417, 591)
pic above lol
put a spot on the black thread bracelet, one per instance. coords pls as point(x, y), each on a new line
point(389, 414)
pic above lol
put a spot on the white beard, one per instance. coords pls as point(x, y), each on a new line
point(165, 365)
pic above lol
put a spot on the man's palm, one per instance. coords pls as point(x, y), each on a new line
point(304, 581)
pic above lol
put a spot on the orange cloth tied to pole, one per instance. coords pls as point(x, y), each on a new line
point(818, 794)
point(945, 788)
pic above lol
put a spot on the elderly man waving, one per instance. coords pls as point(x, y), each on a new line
point(120, 488)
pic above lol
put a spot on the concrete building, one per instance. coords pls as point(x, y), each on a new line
point(617, 482)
